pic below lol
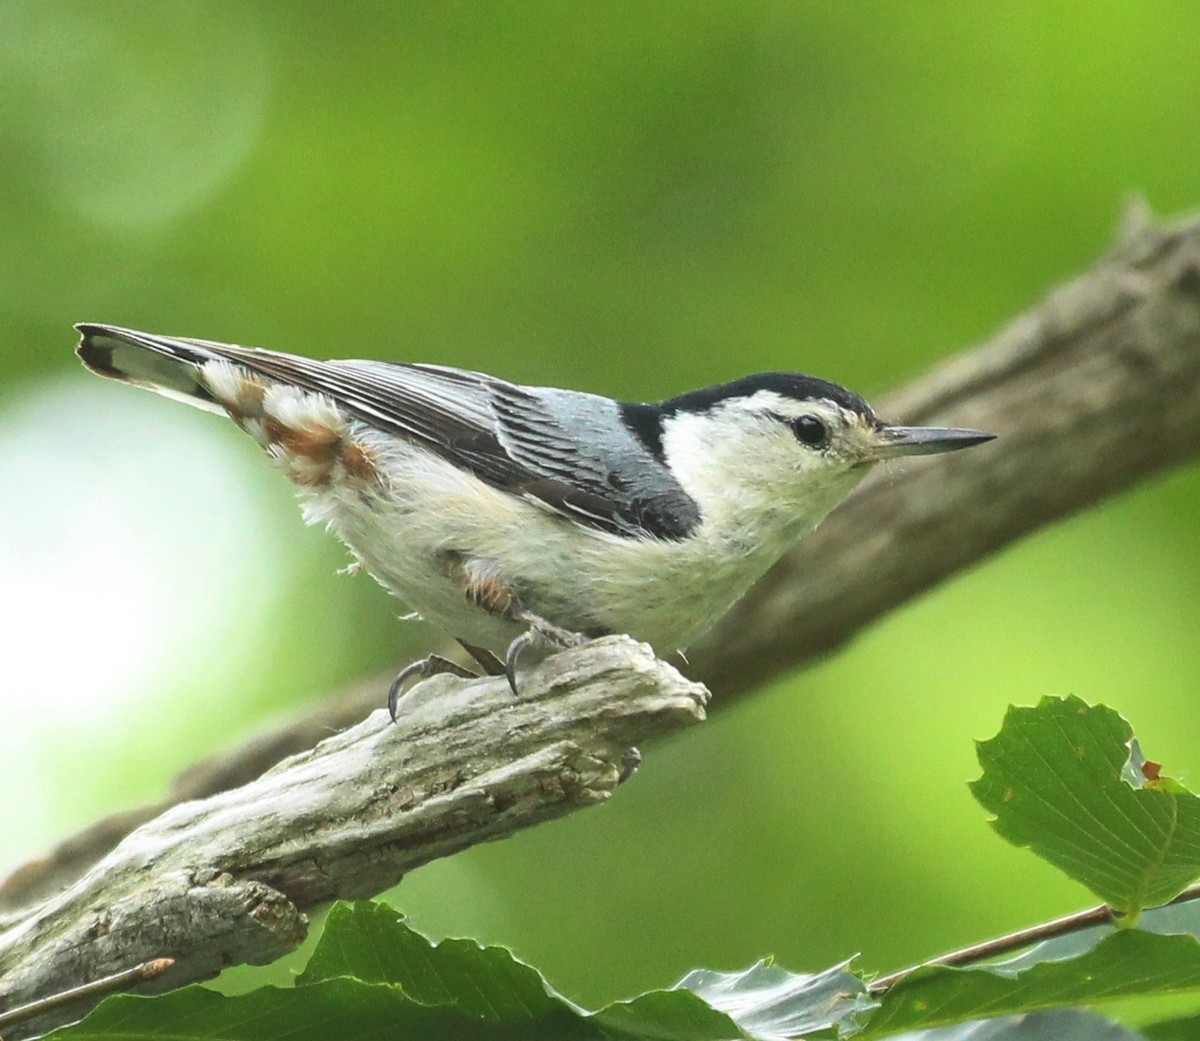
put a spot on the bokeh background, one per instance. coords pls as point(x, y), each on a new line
point(627, 198)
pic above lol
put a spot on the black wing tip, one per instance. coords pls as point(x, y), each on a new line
point(92, 349)
point(99, 344)
point(104, 349)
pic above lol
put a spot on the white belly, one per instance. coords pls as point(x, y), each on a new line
point(413, 532)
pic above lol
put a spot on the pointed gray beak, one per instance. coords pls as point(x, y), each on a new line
point(926, 440)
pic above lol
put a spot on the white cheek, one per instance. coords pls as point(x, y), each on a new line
point(717, 461)
point(758, 488)
point(747, 442)
point(688, 455)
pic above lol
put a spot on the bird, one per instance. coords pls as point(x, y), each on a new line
point(513, 516)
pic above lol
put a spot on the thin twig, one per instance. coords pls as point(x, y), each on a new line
point(147, 970)
point(1064, 926)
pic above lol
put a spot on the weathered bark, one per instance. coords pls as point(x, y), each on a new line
point(227, 879)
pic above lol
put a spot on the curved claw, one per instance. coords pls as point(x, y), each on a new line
point(513, 653)
point(402, 677)
point(433, 665)
point(542, 632)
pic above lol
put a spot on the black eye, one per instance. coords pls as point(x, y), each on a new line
point(810, 431)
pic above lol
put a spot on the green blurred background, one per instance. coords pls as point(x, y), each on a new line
point(627, 198)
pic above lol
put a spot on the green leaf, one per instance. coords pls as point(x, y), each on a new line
point(348, 1009)
point(1057, 1025)
point(1057, 778)
point(669, 1015)
point(1186, 1028)
point(344, 1009)
point(371, 942)
point(1125, 963)
point(370, 975)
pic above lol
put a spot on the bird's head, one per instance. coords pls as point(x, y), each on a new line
point(785, 446)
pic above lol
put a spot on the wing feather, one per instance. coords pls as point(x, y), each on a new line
point(568, 451)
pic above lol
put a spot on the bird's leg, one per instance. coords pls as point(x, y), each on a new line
point(433, 665)
point(485, 659)
point(540, 631)
point(483, 587)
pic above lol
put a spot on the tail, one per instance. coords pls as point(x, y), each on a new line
point(164, 364)
point(282, 401)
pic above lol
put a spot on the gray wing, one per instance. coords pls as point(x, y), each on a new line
point(571, 451)
point(585, 461)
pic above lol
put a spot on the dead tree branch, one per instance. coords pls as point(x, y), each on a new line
point(227, 879)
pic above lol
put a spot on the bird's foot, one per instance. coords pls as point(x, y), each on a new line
point(540, 633)
point(433, 665)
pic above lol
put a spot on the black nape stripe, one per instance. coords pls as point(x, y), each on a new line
point(794, 385)
point(646, 424)
point(646, 421)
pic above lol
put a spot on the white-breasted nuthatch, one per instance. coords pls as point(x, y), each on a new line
point(506, 514)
